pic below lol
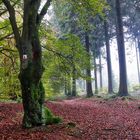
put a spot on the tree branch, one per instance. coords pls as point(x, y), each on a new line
point(8, 50)
point(12, 19)
point(11, 58)
point(43, 11)
point(5, 10)
point(8, 35)
point(3, 27)
point(59, 54)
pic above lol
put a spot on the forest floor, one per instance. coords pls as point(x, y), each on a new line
point(83, 119)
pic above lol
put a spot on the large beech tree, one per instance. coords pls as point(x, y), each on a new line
point(31, 68)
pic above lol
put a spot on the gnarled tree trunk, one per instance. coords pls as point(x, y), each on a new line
point(31, 68)
point(33, 93)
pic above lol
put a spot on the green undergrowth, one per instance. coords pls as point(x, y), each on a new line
point(49, 118)
point(136, 87)
point(113, 96)
point(7, 100)
point(57, 97)
point(116, 96)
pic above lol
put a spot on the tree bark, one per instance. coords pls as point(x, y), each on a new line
point(138, 42)
point(65, 86)
point(100, 70)
point(95, 75)
point(109, 66)
point(33, 93)
point(74, 93)
point(68, 90)
point(88, 70)
point(31, 68)
point(136, 47)
point(123, 89)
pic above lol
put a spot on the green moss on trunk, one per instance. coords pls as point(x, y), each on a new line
point(33, 95)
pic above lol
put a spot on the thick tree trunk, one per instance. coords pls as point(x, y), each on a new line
point(123, 90)
point(95, 76)
point(109, 66)
point(31, 71)
point(33, 93)
point(88, 70)
point(33, 97)
point(31, 68)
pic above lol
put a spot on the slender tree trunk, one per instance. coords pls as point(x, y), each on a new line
point(100, 70)
point(138, 42)
point(74, 83)
point(95, 75)
point(123, 90)
point(109, 66)
point(65, 86)
point(136, 47)
point(74, 87)
point(69, 87)
point(88, 70)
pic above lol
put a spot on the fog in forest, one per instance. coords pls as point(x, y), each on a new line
point(131, 62)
